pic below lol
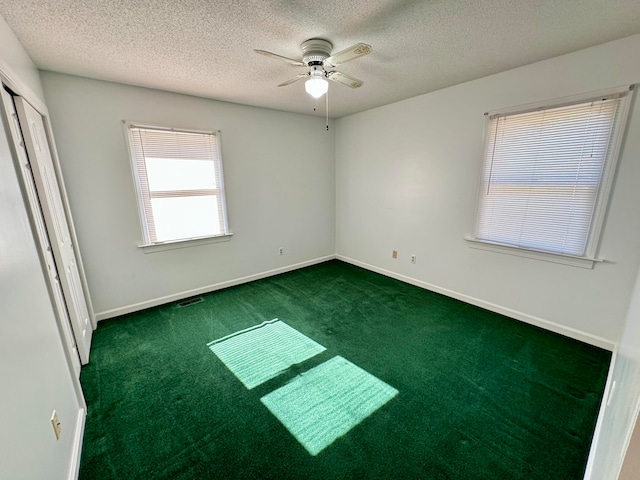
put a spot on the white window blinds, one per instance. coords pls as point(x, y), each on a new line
point(543, 175)
point(179, 180)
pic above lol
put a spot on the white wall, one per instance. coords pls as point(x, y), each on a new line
point(34, 374)
point(279, 176)
point(618, 419)
point(407, 177)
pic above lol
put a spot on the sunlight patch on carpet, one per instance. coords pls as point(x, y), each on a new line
point(261, 353)
point(327, 401)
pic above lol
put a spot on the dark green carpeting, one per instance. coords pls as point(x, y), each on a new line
point(480, 396)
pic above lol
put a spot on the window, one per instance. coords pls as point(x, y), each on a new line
point(178, 175)
point(546, 175)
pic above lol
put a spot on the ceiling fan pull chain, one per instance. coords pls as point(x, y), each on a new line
point(327, 108)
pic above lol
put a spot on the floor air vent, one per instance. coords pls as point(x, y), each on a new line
point(190, 301)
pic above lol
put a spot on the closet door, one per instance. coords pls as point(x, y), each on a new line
point(40, 229)
point(48, 192)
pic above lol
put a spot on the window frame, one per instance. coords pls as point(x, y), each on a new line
point(147, 244)
point(590, 257)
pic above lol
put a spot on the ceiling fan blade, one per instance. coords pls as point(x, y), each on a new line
point(340, 77)
point(294, 79)
point(290, 61)
point(355, 51)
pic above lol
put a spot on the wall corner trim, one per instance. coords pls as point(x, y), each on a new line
point(74, 465)
point(588, 474)
point(523, 317)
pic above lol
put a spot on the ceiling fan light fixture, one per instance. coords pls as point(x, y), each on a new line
point(316, 87)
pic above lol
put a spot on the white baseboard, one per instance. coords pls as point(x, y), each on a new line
point(523, 317)
point(74, 463)
point(206, 289)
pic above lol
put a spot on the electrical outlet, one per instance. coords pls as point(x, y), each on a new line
point(394, 254)
point(281, 251)
point(413, 259)
point(55, 422)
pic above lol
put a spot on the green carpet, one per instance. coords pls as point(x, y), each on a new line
point(481, 396)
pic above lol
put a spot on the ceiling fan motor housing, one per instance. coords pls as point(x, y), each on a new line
point(314, 51)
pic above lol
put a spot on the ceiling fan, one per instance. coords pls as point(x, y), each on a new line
point(317, 57)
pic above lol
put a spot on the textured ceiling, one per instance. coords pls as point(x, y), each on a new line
point(205, 48)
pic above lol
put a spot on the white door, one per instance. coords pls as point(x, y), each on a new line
point(40, 229)
point(44, 175)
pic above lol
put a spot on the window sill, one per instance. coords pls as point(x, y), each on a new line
point(574, 261)
point(189, 242)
